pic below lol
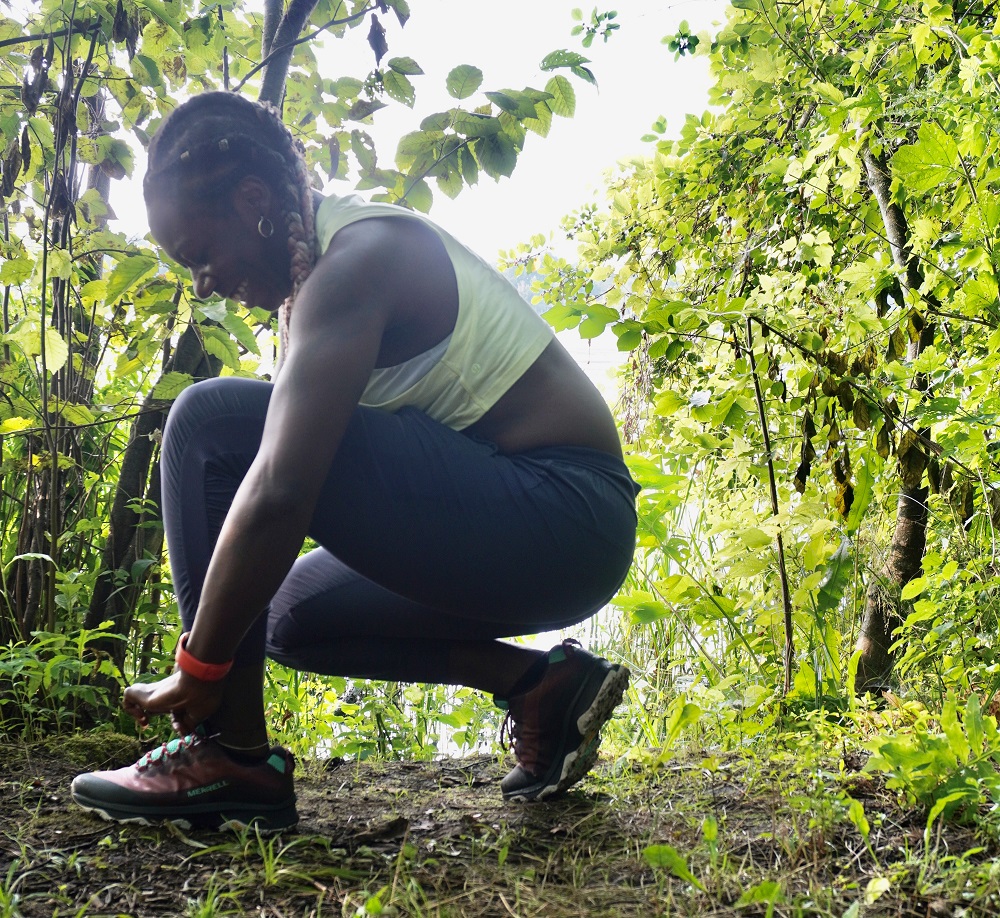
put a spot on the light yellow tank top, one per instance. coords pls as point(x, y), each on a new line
point(497, 336)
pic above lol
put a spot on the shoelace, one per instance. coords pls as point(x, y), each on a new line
point(167, 750)
point(510, 733)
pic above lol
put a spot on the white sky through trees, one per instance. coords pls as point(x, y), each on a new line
point(638, 81)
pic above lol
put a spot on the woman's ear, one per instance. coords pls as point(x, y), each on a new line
point(252, 199)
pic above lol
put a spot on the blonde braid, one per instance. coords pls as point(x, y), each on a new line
point(300, 220)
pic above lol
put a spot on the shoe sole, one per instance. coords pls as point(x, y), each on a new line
point(281, 819)
point(579, 761)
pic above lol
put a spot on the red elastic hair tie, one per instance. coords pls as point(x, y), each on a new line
point(207, 672)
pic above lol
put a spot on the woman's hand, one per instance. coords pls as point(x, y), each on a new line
point(188, 700)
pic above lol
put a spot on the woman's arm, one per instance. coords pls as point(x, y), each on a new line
point(339, 319)
point(337, 325)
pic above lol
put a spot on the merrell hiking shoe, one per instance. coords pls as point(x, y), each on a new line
point(556, 724)
point(191, 781)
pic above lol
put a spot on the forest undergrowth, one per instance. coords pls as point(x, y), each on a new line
point(794, 821)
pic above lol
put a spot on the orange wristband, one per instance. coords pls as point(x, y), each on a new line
point(207, 672)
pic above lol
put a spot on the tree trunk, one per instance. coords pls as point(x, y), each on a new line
point(272, 87)
point(882, 613)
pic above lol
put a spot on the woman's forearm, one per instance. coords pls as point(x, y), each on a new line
point(257, 546)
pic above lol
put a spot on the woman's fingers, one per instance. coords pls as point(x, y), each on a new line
point(188, 701)
point(150, 698)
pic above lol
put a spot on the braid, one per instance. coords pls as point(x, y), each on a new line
point(207, 145)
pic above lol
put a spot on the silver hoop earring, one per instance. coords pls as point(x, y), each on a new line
point(265, 227)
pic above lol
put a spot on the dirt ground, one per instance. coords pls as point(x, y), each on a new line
point(435, 838)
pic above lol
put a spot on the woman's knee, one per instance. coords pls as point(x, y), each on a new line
point(222, 395)
point(200, 406)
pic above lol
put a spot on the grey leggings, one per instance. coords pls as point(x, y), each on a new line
point(428, 536)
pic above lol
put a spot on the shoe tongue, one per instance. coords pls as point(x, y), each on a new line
point(533, 675)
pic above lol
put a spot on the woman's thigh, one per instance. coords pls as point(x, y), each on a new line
point(440, 519)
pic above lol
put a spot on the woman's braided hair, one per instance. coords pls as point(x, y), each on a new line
point(210, 143)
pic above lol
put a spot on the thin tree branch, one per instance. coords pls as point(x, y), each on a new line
point(58, 33)
point(786, 598)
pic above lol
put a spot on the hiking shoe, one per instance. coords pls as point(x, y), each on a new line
point(192, 782)
point(555, 726)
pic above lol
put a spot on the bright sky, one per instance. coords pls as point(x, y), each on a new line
point(638, 81)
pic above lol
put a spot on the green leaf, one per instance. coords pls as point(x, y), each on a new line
point(77, 414)
point(518, 104)
point(541, 123)
point(864, 482)
point(160, 11)
point(26, 335)
point(16, 271)
point(439, 122)
point(557, 59)
point(127, 274)
point(239, 329)
point(643, 607)
point(563, 101)
point(59, 264)
point(399, 87)
point(401, 8)
point(56, 350)
point(496, 155)
point(419, 196)
point(947, 804)
point(463, 81)
point(13, 425)
point(975, 725)
point(219, 344)
point(170, 385)
point(829, 92)
point(856, 813)
point(405, 65)
point(957, 739)
point(468, 124)
point(146, 71)
point(768, 891)
point(837, 578)
point(364, 108)
point(119, 160)
point(666, 856)
point(470, 166)
point(363, 148)
point(928, 163)
point(755, 538)
point(450, 183)
point(214, 310)
point(682, 714)
point(913, 589)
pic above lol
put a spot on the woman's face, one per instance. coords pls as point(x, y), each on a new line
point(225, 253)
